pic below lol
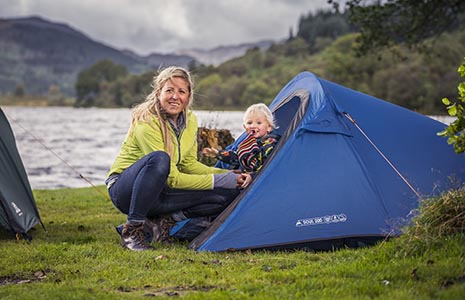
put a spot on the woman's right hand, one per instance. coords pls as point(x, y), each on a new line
point(243, 180)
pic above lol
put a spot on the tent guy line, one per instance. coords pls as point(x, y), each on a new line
point(381, 153)
point(56, 155)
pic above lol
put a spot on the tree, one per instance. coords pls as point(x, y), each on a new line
point(322, 24)
point(386, 23)
point(54, 95)
point(296, 47)
point(291, 34)
point(89, 80)
point(383, 24)
point(19, 91)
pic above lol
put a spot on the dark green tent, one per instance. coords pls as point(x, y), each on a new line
point(18, 210)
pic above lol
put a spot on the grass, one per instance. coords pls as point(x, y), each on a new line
point(79, 257)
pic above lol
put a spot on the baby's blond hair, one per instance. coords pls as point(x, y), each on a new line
point(263, 109)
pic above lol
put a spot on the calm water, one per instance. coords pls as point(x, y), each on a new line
point(86, 141)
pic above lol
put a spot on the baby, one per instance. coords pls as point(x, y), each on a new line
point(257, 145)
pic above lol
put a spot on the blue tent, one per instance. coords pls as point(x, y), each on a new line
point(348, 171)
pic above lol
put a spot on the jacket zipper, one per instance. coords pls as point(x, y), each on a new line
point(179, 146)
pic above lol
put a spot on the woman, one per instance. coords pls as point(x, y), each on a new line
point(156, 175)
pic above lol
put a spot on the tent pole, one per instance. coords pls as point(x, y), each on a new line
point(381, 153)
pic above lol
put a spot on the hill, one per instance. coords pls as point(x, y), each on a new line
point(220, 54)
point(417, 81)
point(37, 54)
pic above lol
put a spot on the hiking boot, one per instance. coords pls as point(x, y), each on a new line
point(166, 224)
point(161, 227)
point(133, 238)
point(147, 230)
point(152, 229)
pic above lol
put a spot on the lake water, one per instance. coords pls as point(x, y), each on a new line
point(57, 144)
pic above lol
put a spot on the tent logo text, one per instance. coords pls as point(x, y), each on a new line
point(17, 209)
point(328, 219)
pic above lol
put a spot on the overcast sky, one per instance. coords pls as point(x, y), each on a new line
point(164, 26)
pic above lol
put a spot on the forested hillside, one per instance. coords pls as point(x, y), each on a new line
point(40, 57)
point(324, 45)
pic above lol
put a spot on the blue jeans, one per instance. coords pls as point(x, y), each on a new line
point(141, 191)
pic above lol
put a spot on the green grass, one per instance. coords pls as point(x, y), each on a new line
point(79, 257)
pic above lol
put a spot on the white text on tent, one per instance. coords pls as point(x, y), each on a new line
point(328, 219)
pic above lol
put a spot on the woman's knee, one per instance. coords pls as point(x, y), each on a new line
point(224, 199)
point(159, 161)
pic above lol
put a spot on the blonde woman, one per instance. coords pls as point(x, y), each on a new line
point(157, 175)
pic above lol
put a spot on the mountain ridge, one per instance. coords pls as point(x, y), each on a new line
point(217, 55)
point(38, 54)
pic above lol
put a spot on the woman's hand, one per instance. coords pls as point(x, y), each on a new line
point(243, 180)
point(210, 152)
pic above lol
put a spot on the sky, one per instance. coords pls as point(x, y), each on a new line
point(164, 26)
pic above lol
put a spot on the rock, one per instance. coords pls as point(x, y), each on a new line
point(212, 138)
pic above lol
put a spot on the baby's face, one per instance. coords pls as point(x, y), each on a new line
point(257, 124)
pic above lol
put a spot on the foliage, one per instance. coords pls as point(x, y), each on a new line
point(89, 80)
point(436, 220)
point(439, 216)
point(403, 77)
point(126, 91)
point(413, 82)
point(384, 24)
point(455, 132)
point(19, 91)
point(79, 257)
point(24, 101)
point(323, 24)
point(38, 53)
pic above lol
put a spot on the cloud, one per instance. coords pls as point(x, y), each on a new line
point(147, 26)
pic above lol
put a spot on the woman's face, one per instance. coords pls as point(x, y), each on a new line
point(174, 96)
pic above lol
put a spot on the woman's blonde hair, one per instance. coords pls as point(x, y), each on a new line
point(263, 109)
point(152, 107)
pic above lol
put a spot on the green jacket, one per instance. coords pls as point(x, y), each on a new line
point(186, 172)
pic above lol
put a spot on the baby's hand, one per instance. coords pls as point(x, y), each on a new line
point(210, 152)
